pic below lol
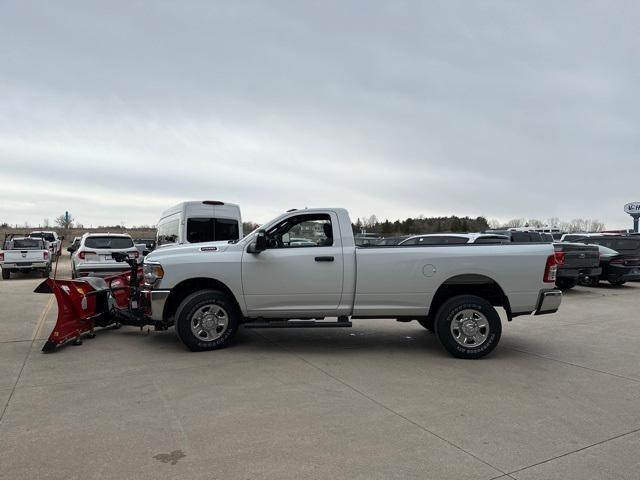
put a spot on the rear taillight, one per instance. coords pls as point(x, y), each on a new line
point(1, 257)
point(135, 254)
point(550, 269)
point(625, 261)
point(559, 258)
point(45, 255)
point(83, 254)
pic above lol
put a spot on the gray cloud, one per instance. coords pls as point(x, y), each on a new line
point(117, 110)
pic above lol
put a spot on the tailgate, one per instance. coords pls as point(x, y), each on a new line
point(579, 255)
point(19, 256)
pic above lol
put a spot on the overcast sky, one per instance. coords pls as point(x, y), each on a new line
point(116, 110)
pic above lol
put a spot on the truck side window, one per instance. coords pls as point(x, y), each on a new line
point(211, 229)
point(313, 230)
point(200, 230)
point(168, 232)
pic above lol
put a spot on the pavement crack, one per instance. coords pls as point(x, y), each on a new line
point(41, 319)
point(551, 359)
point(576, 451)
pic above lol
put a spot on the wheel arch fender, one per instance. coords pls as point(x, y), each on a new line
point(477, 284)
point(186, 287)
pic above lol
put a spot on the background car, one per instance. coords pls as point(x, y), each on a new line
point(74, 245)
point(388, 241)
point(145, 246)
point(55, 242)
point(617, 267)
point(94, 255)
point(454, 238)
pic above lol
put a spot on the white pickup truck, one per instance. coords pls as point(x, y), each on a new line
point(25, 254)
point(271, 279)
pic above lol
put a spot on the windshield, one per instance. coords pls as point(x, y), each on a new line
point(108, 242)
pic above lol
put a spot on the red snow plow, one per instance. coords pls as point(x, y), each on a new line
point(90, 302)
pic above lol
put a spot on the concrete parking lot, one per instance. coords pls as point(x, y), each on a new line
point(558, 399)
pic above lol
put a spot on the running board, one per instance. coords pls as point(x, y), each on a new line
point(296, 324)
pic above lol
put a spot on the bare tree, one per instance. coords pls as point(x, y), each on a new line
point(65, 220)
point(494, 224)
point(535, 223)
point(515, 223)
point(553, 221)
point(46, 223)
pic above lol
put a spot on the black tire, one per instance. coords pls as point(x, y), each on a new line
point(453, 307)
point(199, 301)
point(428, 323)
point(566, 283)
point(6, 274)
point(617, 283)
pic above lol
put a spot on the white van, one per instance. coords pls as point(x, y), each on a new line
point(199, 221)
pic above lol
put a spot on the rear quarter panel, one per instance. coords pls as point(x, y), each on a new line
point(403, 280)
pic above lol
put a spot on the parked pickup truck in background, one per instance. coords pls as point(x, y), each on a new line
point(208, 290)
point(55, 242)
point(25, 254)
point(576, 262)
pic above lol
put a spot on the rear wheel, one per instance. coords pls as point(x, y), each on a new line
point(207, 320)
point(468, 326)
point(6, 274)
point(566, 283)
point(617, 283)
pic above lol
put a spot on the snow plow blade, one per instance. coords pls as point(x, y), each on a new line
point(90, 302)
point(82, 304)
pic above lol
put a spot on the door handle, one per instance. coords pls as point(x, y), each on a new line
point(324, 259)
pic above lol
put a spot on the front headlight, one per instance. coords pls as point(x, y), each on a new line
point(152, 273)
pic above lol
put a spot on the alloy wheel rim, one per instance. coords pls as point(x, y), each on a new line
point(209, 322)
point(470, 328)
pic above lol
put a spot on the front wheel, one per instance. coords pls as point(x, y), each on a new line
point(468, 326)
point(617, 283)
point(207, 320)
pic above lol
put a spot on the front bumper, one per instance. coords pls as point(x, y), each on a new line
point(153, 302)
point(548, 301)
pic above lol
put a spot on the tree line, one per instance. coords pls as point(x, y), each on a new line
point(454, 223)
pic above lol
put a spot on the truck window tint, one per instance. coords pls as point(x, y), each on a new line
point(200, 230)
point(626, 245)
point(302, 231)
point(109, 243)
point(49, 237)
point(28, 244)
point(520, 237)
point(441, 240)
point(168, 232)
point(212, 229)
point(226, 229)
point(492, 240)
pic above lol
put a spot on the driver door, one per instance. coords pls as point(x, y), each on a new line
point(300, 273)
